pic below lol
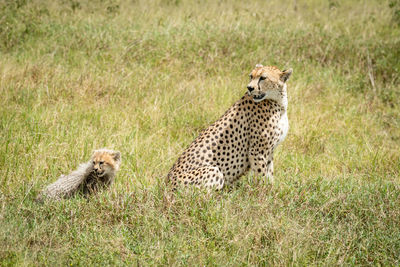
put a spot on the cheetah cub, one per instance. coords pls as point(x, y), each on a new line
point(244, 138)
point(90, 177)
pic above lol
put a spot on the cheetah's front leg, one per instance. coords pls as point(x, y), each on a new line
point(263, 165)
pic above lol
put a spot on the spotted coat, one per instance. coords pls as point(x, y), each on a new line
point(243, 138)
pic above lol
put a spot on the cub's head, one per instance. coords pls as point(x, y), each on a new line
point(267, 82)
point(105, 161)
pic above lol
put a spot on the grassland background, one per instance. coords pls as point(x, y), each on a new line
point(144, 77)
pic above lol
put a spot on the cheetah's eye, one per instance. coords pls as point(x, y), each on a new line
point(251, 77)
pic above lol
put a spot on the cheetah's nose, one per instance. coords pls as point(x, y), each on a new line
point(250, 88)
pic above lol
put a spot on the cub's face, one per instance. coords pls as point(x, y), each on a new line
point(105, 162)
point(267, 82)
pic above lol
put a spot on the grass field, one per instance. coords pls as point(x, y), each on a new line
point(145, 77)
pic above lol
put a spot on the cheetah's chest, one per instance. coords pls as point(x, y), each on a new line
point(283, 126)
point(272, 130)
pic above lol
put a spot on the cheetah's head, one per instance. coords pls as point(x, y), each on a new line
point(105, 161)
point(267, 82)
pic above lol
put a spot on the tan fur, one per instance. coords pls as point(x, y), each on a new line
point(96, 174)
point(243, 138)
point(271, 71)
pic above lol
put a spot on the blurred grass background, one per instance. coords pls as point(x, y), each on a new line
point(145, 77)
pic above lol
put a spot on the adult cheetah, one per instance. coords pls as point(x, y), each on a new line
point(243, 138)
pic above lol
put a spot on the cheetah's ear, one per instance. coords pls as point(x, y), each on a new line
point(259, 66)
point(117, 156)
point(286, 74)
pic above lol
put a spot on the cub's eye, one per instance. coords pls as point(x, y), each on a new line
point(94, 162)
point(101, 162)
point(262, 78)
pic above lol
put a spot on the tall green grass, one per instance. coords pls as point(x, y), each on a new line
point(145, 77)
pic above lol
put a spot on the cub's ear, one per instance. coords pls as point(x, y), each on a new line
point(117, 156)
point(286, 74)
